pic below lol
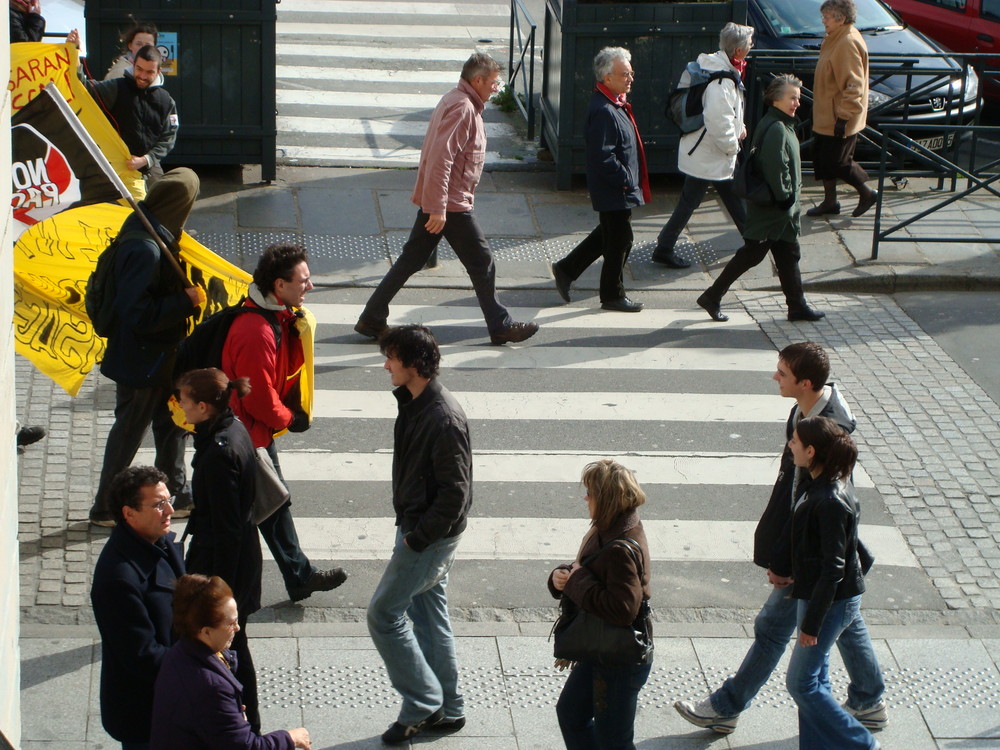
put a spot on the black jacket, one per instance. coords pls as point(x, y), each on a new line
point(825, 561)
point(151, 308)
point(224, 539)
point(431, 466)
point(146, 119)
point(132, 596)
point(612, 156)
point(26, 27)
point(773, 534)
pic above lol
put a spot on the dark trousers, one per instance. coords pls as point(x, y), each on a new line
point(692, 194)
point(246, 674)
point(135, 409)
point(469, 243)
point(278, 531)
point(786, 261)
point(596, 708)
point(612, 238)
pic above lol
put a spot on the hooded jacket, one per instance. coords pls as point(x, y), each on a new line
point(710, 153)
point(151, 306)
point(772, 538)
point(146, 119)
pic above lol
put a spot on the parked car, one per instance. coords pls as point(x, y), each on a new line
point(959, 25)
point(796, 25)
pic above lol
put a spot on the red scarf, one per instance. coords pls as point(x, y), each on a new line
point(741, 66)
point(622, 101)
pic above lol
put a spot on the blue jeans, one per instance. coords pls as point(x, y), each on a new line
point(420, 660)
point(596, 708)
point(823, 724)
point(774, 626)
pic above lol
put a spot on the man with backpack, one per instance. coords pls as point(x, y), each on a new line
point(708, 107)
point(266, 348)
point(148, 307)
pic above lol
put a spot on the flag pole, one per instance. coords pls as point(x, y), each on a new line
point(102, 161)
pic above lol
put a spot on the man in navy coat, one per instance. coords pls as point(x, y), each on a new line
point(132, 597)
point(616, 178)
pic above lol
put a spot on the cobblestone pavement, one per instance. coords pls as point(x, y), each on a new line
point(938, 436)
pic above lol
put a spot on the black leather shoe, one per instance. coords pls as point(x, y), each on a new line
point(562, 281)
point(670, 260)
point(712, 307)
point(320, 580)
point(398, 733)
point(447, 726)
point(624, 304)
point(29, 435)
point(864, 204)
point(805, 313)
point(824, 209)
point(514, 333)
point(371, 330)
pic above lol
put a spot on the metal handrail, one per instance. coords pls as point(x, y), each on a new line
point(525, 47)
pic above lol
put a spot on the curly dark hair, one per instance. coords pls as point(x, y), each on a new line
point(414, 346)
point(277, 262)
point(126, 488)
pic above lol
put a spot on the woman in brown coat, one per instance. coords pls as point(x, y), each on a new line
point(597, 706)
point(840, 108)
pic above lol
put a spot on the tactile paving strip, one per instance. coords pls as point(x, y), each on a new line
point(355, 687)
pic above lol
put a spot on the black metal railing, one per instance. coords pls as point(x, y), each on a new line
point(521, 63)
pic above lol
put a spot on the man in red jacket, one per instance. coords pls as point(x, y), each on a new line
point(274, 363)
point(451, 163)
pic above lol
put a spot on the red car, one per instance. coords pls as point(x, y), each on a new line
point(961, 26)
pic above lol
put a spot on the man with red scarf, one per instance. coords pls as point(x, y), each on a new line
point(616, 178)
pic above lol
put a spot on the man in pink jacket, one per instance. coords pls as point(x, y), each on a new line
point(451, 163)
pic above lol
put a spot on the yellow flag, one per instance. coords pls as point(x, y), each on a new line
point(33, 65)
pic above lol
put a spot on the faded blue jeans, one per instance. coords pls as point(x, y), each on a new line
point(773, 628)
point(596, 708)
point(421, 659)
point(823, 724)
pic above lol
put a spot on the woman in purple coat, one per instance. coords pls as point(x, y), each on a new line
point(198, 702)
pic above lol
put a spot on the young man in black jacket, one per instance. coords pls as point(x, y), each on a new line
point(431, 496)
point(802, 373)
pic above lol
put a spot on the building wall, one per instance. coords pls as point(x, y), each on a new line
point(10, 669)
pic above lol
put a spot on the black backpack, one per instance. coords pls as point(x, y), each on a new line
point(203, 347)
point(685, 104)
point(102, 285)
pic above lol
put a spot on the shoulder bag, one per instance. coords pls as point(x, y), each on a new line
point(747, 182)
point(583, 636)
point(270, 493)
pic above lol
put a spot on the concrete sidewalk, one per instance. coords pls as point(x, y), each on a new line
point(354, 222)
point(942, 687)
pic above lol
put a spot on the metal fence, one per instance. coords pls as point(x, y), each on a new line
point(521, 63)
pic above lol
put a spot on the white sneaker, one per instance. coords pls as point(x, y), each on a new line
point(873, 719)
point(701, 714)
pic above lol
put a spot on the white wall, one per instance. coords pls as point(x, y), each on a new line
point(10, 669)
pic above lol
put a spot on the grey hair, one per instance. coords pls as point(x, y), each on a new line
point(777, 85)
point(843, 8)
point(734, 37)
point(605, 60)
point(480, 64)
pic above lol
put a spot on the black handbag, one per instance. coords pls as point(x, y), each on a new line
point(582, 636)
point(747, 182)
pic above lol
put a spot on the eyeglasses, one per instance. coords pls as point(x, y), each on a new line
point(630, 74)
point(159, 506)
point(496, 84)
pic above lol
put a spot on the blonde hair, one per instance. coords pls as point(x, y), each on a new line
point(613, 490)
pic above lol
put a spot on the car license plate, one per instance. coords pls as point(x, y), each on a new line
point(938, 142)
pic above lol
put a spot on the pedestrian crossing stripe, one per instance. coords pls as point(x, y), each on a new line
point(359, 99)
point(557, 539)
point(376, 9)
point(445, 78)
point(396, 156)
point(423, 34)
point(375, 53)
point(377, 125)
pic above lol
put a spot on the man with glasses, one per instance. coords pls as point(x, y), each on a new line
point(616, 178)
point(451, 163)
point(132, 596)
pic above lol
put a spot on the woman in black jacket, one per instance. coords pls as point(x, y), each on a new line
point(828, 582)
point(597, 706)
point(224, 538)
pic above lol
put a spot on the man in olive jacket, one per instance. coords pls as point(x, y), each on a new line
point(617, 181)
point(431, 495)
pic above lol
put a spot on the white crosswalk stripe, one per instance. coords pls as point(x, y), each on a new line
point(357, 81)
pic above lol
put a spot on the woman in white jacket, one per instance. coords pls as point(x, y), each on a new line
point(708, 156)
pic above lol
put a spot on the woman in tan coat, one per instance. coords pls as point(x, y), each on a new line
point(840, 108)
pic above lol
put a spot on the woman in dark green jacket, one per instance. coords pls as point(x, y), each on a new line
point(774, 227)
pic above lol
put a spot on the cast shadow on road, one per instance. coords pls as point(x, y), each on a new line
point(41, 669)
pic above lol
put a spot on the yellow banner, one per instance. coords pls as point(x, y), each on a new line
point(34, 64)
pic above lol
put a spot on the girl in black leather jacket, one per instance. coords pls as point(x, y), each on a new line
point(828, 584)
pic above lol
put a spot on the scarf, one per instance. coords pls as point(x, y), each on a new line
point(622, 101)
point(741, 66)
